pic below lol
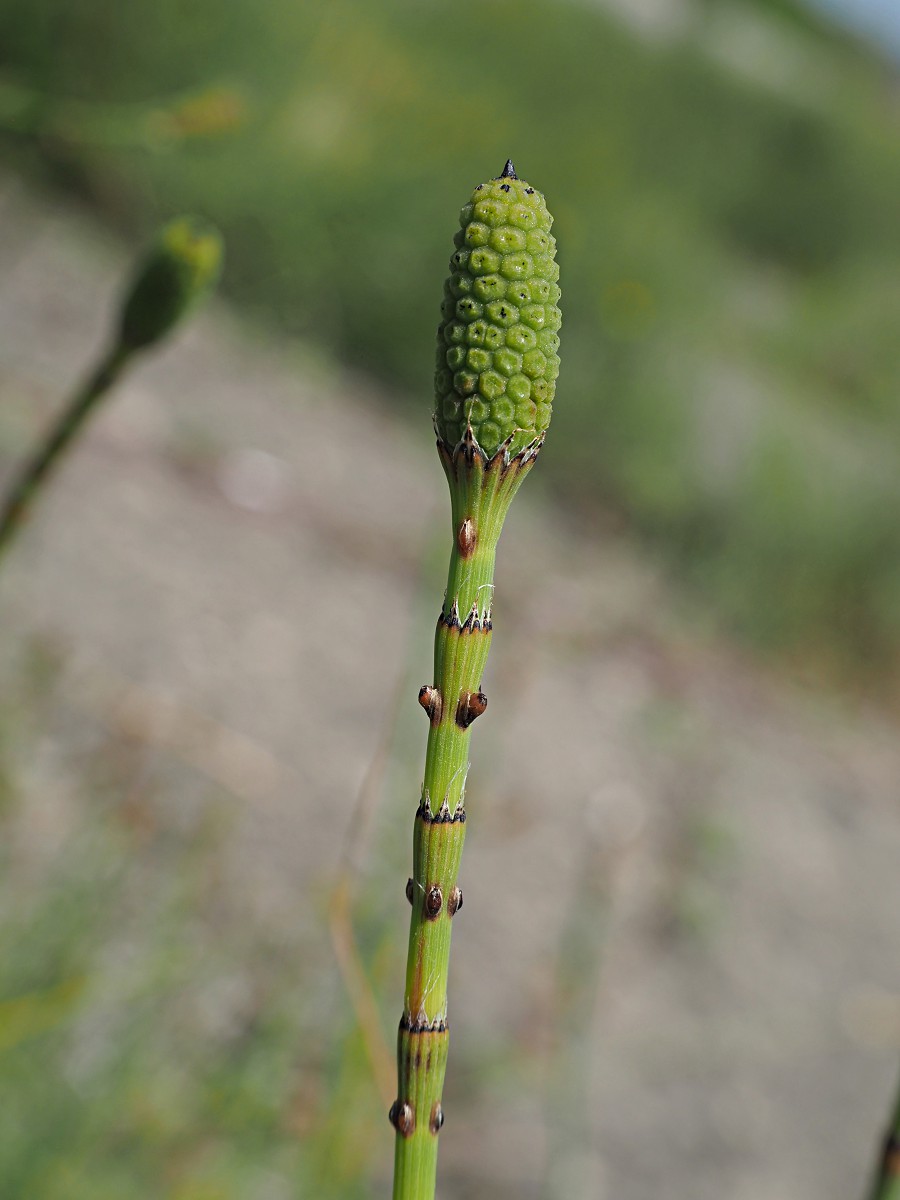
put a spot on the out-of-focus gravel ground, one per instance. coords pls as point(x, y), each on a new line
point(228, 567)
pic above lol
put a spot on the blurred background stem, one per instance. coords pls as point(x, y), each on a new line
point(28, 482)
point(175, 274)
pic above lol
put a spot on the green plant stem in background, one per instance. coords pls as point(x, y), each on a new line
point(494, 385)
point(886, 1184)
point(28, 482)
point(179, 270)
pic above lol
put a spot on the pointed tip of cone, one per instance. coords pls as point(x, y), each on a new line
point(509, 171)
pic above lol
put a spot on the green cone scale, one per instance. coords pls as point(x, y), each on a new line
point(497, 359)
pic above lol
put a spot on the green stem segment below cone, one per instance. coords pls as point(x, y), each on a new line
point(481, 492)
point(886, 1184)
point(494, 385)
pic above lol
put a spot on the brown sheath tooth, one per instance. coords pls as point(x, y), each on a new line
point(421, 1024)
point(466, 538)
point(409, 890)
point(431, 701)
point(472, 622)
point(471, 705)
point(437, 1117)
point(455, 903)
point(450, 620)
point(434, 902)
point(443, 816)
point(402, 1118)
point(469, 448)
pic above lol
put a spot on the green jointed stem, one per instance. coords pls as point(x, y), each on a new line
point(495, 380)
point(180, 269)
point(886, 1184)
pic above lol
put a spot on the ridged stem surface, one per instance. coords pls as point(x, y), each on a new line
point(481, 491)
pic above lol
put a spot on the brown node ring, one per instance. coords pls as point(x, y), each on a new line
point(402, 1118)
point(430, 699)
point(466, 538)
point(455, 903)
point(471, 705)
point(434, 902)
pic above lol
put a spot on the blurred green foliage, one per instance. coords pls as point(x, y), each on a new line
point(726, 200)
point(156, 1037)
point(165, 1032)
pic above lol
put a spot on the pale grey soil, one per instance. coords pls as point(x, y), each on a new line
point(229, 566)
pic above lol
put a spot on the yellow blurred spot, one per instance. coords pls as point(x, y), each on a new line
point(36, 1012)
point(199, 1189)
point(195, 244)
point(217, 110)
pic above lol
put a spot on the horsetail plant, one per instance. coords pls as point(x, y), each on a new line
point(496, 370)
point(177, 272)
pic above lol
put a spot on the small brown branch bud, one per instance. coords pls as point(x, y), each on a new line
point(466, 538)
point(455, 903)
point(437, 1117)
point(471, 705)
point(402, 1118)
point(434, 902)
point(409, 890)
point(430, 699)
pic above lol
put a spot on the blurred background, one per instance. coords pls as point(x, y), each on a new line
point(677, 969)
